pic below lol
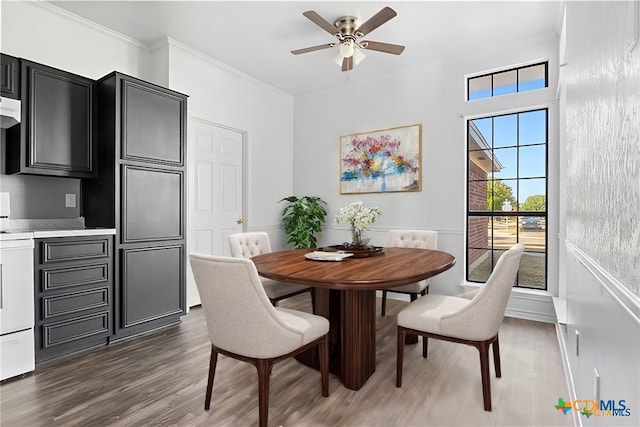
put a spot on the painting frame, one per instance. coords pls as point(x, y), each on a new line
point(381, 161)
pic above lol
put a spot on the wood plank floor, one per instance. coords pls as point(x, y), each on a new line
point(160, 380)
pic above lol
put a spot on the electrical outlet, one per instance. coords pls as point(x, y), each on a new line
point(70, 200)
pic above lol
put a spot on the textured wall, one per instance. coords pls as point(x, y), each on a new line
point(603, 136)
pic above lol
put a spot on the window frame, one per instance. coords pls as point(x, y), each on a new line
point(506, 70)
point(492, 214)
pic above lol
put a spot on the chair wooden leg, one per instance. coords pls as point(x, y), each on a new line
point(496, 358)
point(264, 372)
point(213, 361)
point(483, 348)
point(323, 349)
point(384, 303)
point(399, 356)
point(425, 346)
point(313, 300)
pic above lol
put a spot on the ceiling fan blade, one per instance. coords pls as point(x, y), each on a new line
point(320, 22)
point(347, 64)
point(376, 20)
point(313, 48)
point(394, 49)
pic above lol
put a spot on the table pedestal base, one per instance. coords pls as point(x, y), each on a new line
point(352, 334)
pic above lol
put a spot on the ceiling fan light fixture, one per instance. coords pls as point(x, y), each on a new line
point(358, 56)
point(346, 48)
point(337, 58)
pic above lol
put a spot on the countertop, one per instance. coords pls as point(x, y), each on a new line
point(15, 229)
point(40, 234)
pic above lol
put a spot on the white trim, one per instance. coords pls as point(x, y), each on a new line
point(507, 68)
point(619, 293)
point(560, 307)
point(568, 376)
point(90, 24)
point(382, 229)
point(531, 306)
point(217, 63)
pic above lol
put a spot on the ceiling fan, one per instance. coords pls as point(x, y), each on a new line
point(348, 30)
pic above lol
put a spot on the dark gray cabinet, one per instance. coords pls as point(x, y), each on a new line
point(9, 76)
point(73, 294)
point(56, 136)
point(141, 192)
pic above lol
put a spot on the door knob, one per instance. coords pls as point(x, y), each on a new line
point(240, 221)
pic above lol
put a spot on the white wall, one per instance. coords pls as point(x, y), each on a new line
point(602, 273)
point(433, 95)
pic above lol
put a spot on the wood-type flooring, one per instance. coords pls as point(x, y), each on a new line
point(160, 380)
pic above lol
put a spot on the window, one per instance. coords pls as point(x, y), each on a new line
point(514, 80)
point(507, 194)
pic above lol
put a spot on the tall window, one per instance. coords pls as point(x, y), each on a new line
point(507, 194)
point(514, 80)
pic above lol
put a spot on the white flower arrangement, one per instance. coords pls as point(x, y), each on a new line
point(358, 216)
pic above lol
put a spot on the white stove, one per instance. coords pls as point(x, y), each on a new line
point(17, 350)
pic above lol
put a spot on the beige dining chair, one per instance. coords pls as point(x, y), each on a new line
point(423, 239)
point(246, 245)
point(244, 325)
point(473, 322)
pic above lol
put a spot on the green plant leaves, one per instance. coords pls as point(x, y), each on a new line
point(302, 218)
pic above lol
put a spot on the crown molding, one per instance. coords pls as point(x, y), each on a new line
point(88, 23)
point(217, 63)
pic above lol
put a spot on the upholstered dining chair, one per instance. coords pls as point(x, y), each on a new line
point(423, 239)
point(244, 325)
point(473, 322)
point(246, 245)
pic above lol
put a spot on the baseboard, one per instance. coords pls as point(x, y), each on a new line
point(531, 305)
point(564, 355)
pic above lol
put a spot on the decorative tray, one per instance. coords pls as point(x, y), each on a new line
point(327, 256)
point(357, 253)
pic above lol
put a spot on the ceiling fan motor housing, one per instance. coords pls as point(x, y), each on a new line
point(347, 26)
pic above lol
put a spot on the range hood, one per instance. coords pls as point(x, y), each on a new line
point(9, 112)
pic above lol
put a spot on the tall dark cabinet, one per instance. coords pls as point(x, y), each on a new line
point(141, 192)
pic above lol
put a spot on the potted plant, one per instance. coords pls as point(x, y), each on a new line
point(302, 218)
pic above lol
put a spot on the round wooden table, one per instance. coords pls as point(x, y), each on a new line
point(345, 293)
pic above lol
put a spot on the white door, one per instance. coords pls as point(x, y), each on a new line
point(214, 183)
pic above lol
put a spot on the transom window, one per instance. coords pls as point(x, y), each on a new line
point(507, 194)
point(514, 80)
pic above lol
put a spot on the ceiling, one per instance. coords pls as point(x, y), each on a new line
point(256, 37)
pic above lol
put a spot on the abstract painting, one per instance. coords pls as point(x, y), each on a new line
point(381, 161)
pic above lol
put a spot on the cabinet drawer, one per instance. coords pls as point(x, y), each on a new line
point(75, 302)
point(69, 250)
point(74, 276)
point(75, 329)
